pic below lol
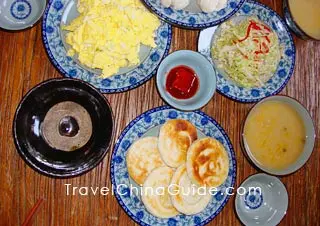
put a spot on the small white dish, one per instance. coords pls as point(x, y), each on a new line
point(310, 137)
point(264, 203)
point(20, 14)
point(204, 70)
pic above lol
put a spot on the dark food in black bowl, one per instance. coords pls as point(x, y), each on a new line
point(63, 127)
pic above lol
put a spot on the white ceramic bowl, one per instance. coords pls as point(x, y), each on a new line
point(310, 137)
point(202, 67)
point(20, 14)
point(264, 203)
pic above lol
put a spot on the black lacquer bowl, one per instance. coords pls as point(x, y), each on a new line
point(31, 112)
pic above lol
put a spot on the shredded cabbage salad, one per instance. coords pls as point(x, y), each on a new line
point(248, 52)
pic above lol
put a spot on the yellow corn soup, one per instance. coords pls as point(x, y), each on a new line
point(275, 134)
point(307, 15)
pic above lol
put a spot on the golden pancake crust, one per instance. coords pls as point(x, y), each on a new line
point(207, 162)
point(175, 138)
point(143, 157)
point(186, 197)
point(155, 195)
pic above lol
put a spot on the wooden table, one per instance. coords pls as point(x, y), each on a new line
point(24, 63)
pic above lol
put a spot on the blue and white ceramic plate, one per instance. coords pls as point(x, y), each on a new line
point(148, 124)
point(192, 17)
point(57, 11)
point(285, 67)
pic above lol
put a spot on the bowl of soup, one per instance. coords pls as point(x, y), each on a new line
point(303, 17)
point(278, 135)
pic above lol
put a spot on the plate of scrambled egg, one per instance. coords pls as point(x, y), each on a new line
point(116, 45)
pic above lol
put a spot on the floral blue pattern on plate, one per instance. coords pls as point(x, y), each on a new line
point(130, 202)
point(286, 65)
point(183, 18)
point(68, 67)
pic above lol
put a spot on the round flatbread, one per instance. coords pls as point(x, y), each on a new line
point(143, 157)
point(155, 195)
point(207, 163)
point(186, 197)
point(175, 138)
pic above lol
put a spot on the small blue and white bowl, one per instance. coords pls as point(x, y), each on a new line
point(20, 14)
point(265, 201)
point(204, 70)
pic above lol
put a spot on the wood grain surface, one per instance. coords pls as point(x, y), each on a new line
point(24, 63)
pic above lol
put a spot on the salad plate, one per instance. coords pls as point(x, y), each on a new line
point(193, 19)
point(284, 69)
point(59, 12)
point(148, 124)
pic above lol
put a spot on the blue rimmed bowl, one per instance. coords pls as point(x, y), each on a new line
point(285, 67)
point(192, 17)
point(20, 14)
point(148, 124)
point(61, 12)
point(265, 201)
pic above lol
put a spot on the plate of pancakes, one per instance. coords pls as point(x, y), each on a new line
point(171, 167)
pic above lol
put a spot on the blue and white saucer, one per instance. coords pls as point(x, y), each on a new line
point(20, 14)
point(192, 17)
point(61, 12)
point(148, 124)
point(286, 65)
point(263, 200)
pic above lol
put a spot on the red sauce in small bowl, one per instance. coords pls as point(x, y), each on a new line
point(182, 82)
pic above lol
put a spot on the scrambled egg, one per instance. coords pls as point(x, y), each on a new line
point(108, 33)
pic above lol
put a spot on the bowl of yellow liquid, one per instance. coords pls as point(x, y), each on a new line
point(278, 135)
point(303, 17)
